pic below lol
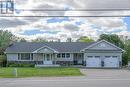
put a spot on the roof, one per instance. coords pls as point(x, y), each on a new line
point(29, 47)
point(58, 46)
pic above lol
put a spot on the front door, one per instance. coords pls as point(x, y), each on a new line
point(47, 59)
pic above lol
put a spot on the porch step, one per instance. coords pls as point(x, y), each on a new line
point(47, 65)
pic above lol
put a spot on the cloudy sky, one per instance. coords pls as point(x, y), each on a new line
point(53, 28)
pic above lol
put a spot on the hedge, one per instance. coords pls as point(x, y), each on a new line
point(20, 65)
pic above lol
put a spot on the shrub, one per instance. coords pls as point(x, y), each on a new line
point(20, 65)
point(13, 65)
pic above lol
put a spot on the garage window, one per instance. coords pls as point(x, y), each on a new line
point(107, 56)
point(97, 56)
point(90, 56)
point(114, 56)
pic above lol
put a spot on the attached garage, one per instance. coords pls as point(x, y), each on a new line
point(111, 61)
point(93, 61)
point(103, 55)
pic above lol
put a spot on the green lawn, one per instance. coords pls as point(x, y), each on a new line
point(39, 72)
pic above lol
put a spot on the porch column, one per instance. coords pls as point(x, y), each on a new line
point(54, 58)
point(37, 59)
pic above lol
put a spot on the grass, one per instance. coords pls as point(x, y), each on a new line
point(39, 72)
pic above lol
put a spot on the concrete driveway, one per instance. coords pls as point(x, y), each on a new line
point(92, 78)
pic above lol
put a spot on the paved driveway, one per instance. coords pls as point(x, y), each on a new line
point(106, 73)
point(93, 78)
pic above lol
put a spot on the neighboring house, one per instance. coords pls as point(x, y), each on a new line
point(93, 54)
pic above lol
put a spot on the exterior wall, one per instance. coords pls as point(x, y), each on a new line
point(64, 61)
point(38, 57)
point(12, 57)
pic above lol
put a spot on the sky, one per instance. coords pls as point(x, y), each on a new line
point(54, 28)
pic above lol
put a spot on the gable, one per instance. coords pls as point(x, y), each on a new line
point(103, 45)
point(44, 50)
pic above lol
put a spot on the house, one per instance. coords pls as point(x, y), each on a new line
point(100, 54)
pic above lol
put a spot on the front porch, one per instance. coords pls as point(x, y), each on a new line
point(51, 59)
point(58, 59)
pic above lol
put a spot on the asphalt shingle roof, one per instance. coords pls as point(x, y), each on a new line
point(58, 46)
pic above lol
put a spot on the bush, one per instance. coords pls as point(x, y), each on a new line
point(13, 65)
point(20, 65)
point(2, 61)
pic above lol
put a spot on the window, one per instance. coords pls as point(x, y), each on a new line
point(114, 56)
point(107, 56)
point(63, 55)
point(25, 56)
point(67, 55)
point(102, 45)
point(31, 56)
point(58, 55)
point(90, 56)
point(97, 56)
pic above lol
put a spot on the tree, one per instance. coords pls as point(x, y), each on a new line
point(39, 40)
point(6, 38)
point(22, 40)
point(69, 40)
point(85, 39)
point(126, 55)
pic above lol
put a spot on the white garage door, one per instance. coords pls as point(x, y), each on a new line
point(93, 61)
point(111, 61)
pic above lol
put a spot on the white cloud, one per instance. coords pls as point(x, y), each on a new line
point(92, 27)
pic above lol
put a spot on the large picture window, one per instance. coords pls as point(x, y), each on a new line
point(25, 56)
point(63, 55)
point(68, 55)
